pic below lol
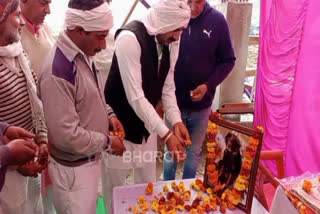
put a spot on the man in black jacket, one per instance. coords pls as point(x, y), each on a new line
point(137, 82)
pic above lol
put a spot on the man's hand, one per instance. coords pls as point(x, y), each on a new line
point(29, 169)
point(116, 146)
point(15, 132)
point(198, 93)
point(176, 149)
point(181, 132)
point(22, 151)
point(43, 157)
point(116, 127)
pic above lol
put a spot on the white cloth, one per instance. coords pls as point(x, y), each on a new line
point(75, 189)
point(165, 16)
point(140, 157)
point(118, 178)
point(20, 194)
point(281, 203)
point(135, 156)
point(7, 53)
point(97, 19)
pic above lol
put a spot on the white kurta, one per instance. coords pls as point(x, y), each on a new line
point(140, 157)
point(128, 53)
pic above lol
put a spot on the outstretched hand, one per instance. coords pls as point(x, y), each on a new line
point(22, 151)
point(116, 127)
point(176, 149)
point(182, 133)
point(15, 132)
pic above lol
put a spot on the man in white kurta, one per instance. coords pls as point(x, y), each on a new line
point(160, 27)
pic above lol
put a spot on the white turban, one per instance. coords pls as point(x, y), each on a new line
point(167, 15)
point(97, 19)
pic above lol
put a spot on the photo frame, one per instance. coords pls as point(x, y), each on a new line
point(232, 161)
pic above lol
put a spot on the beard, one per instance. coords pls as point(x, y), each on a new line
point(11, 37)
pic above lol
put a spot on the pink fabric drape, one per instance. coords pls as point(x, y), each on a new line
point(303, 150)
point(286, 77)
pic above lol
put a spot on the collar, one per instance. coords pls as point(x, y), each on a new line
point(34, 29)
point(71, 50)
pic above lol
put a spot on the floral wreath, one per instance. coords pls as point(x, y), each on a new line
point(230, 197)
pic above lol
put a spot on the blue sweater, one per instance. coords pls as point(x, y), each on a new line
point(206, 56)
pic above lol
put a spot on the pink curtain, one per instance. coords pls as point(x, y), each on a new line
point(288, 81)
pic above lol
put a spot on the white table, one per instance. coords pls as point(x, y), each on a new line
point(125, 196)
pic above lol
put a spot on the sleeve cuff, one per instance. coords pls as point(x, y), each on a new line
point(174, 120)
point(3, 127)
point(5, 155)
point(111, 114)
point(162, 130)
point(41, 138)
point(108, 142)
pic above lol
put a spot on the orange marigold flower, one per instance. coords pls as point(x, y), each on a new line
point(234, 197)
point(199, 182)
point(182, 187)
point(175, 186)
point(223, 207)
point(231, 206)
point(201, 209)
point(307, 185)
point(213, 206)
point(187, 195)
point(211, 155)
point(211, 167)
point(193, 211)
point(142, 199)
point(247, 164)
point(149, 189)
point(136, 210)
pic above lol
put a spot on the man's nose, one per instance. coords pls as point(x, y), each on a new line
point(104, 44)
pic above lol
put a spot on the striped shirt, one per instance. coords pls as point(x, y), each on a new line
point(15, 106)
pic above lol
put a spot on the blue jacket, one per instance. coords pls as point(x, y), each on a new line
point(206, 56)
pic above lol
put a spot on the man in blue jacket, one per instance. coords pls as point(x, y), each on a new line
point(206, 57)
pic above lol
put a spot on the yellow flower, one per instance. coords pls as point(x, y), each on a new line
point(154, 205)
point(166, 188)
point(142, 199)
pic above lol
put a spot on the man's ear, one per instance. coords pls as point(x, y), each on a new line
point(79, 30)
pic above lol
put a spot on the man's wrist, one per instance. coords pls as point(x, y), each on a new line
point(108, 143)
point(167, 136)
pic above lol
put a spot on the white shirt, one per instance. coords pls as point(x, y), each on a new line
point(128, 53)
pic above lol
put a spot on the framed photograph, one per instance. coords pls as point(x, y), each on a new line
point(232, 161)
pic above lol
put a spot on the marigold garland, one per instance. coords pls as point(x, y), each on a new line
point(230, 197)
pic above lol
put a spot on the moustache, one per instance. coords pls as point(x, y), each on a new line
point(172, 39)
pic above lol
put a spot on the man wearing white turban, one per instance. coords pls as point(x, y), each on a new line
point(75, 109)
point(141, 76)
